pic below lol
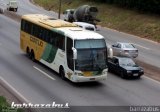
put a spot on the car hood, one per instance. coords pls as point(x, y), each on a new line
point(131, 68)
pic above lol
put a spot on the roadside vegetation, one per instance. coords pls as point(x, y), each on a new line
point(145, 25)
point(5, 106)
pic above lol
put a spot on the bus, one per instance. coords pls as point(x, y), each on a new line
point(74, 53)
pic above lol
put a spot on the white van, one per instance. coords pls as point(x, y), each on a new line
point(86, 26)
point(12, 5)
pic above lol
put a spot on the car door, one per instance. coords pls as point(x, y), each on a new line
point(111, 64)
point(116, 66)
point(114, 48)
point(117, 49)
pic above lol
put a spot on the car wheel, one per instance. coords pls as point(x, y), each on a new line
point(122, 75)
point(28, 52)
point(138, 77)
point(62, 74)
point(32, 56)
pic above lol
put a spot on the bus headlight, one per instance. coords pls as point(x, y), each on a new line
point(79, 74)
point(104, 72)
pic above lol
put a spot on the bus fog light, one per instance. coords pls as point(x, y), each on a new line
point(79, 74)
point(104, 72)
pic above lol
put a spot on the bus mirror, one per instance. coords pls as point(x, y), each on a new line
point(110, 52)
point(74, 53)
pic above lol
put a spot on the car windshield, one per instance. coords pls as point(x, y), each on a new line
point(91, 55)
point(126, 45)
point(126, 62)
point(90, 28)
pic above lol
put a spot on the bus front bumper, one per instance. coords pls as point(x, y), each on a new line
point(77, 78)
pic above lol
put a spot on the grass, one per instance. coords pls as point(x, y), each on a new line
point(5, 106)
point(133, 22)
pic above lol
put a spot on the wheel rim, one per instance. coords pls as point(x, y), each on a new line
point(62, 74)
point(122, 75)
point(32, 56)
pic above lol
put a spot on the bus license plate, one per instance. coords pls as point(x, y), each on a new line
point(92, 78)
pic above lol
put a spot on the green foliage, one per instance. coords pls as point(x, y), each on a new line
point(3, 102)
point(152, 6)
point(5, 107)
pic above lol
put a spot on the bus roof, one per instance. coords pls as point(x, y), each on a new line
point(69, 29)
point(47, 21)
point(79, 33)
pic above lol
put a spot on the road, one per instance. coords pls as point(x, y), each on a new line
point(38, 84)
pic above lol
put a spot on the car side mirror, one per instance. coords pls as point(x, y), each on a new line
point(74, 53)
point(110, 52)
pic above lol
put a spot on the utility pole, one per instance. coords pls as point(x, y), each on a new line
point(59, 13)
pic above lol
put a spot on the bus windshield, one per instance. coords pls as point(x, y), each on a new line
point(91, 55)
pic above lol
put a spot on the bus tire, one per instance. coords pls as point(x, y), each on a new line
point(61, 72)
point(28, 52)
point(32, 56)
point(122, 75)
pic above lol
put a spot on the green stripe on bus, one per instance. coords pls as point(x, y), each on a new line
point(97, 72)
point(58, 31)
point(49, 53)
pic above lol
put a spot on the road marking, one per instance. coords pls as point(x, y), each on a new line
point(44, 73)
point(151, 79)
point(13, 89)
point(142, 46)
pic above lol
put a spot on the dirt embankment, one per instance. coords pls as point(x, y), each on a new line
point(150, 70)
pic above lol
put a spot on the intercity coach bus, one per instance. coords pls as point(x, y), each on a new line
point(72, 52)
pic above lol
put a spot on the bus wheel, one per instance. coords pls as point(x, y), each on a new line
point(32, 56)
point(61, 72)
point(27, 52)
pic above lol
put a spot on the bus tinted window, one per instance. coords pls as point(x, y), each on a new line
point(26, 26)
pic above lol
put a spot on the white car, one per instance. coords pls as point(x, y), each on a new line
point(86, 26)
point(12, 6)
point(124, 49)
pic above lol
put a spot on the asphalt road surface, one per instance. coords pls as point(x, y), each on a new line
point(38, 84)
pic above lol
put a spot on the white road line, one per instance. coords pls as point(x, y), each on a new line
point(44, 73)
point(14, 90)
point(151, 79)
point(142, 46)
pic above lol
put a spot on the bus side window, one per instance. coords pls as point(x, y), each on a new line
point(70, 53)
point(22, 25)
point(46, 35)
point(34, 30)
point(41, 31)
point(61, 41)
point(27, 27)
